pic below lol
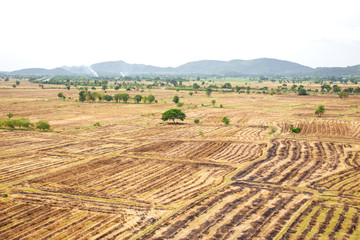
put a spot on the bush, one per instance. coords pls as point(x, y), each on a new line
point(176, 99)
point(225, 120)
point(42, 125)
point(196, 121)
point(295, 130)
point(180, 104)
point(97, 124)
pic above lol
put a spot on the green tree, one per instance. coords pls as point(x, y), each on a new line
point(208, 92)
point(150, 98)
point(196, 121)
point(173, 114)
point(10, 115)
point(302, 91)
point(320, 110)
point(195, 86)
point(68, 87)
point(144, 99)
point(213, 102)
point(104, 86)
point(225, 120)
point(17, 82)
point(82, 96)
point(138, 98)
point(108, 98)
point(125, 97)
point(42, 125)
point(60, 95)
point(191, 93)
point(227, 85)
point(343, 94)
point(117, 97)
point(176, 99)
point(336, 88)
point(14, 85)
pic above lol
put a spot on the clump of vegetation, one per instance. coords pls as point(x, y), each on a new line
point(10, 115)
point(225, 120)
point(180, 104)
point(5, 195)
point(16, 123)
point(295, 129)
point(213, 102)
point(196, 121)
point(173, 114)
point(97, 124)
point(201, 133)
point(176, 99)
point(302, 91)
point(221, 106)
point(42, 125)
point(320, 110)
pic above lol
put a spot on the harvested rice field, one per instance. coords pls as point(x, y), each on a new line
point(133, 176)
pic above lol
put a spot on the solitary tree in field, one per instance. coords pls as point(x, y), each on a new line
point(173, 114)
point(60, 95)
point(225, 120)
point(10, 115)
point(208, 92)
point(213, 102)
point(320, 110)
point(176, 99)
point(191, 93)
point(17, 82)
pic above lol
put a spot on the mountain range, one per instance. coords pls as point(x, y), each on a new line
point(261, 66)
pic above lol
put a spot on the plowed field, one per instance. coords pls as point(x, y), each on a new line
point(135, 177)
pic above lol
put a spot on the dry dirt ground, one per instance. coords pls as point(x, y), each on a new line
point(135, 177)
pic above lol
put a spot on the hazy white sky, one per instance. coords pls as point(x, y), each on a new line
point(53, 33)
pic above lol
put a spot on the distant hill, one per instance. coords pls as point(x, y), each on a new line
point(41, 71)
point(261, 66)
point(336, 71)
point(121, 67)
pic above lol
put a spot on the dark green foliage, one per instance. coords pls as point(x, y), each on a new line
point(208, 92)
point(108, 98)
point(173, 114)
point(302, 91)
point(196, 121)
point(82, 96)
point(227, 85)
point(336, 88)
point(295, 130)
point(10, 115)
point(17, 82)
point(42, 125)
point(138, 98)
point(60, 95)
point(176, 99)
